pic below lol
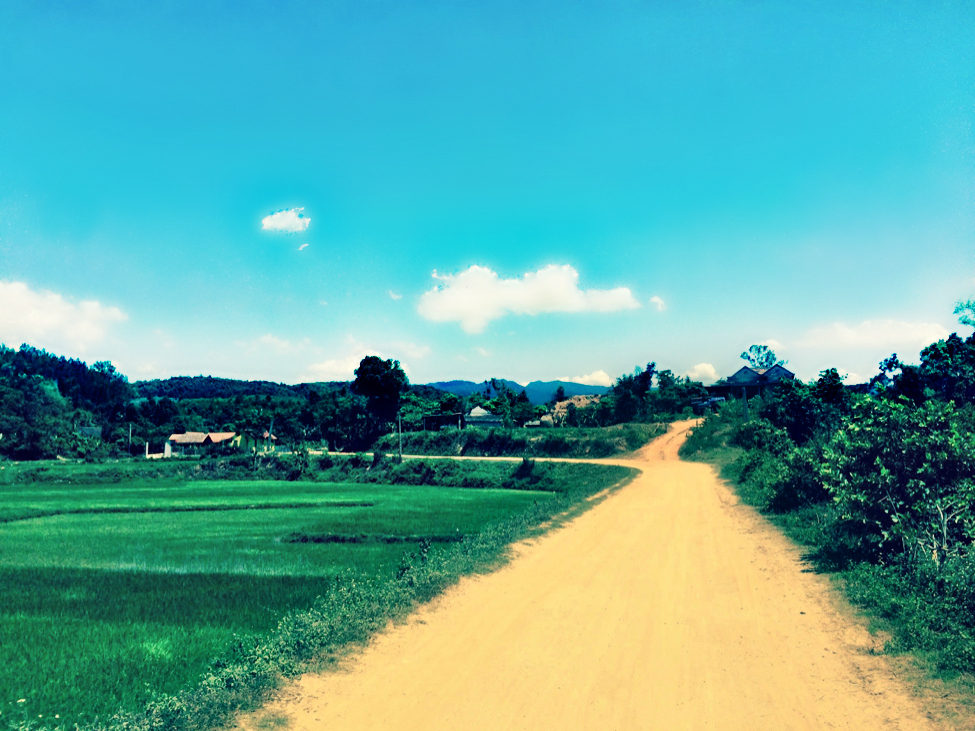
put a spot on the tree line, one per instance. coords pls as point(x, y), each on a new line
point(52, 406)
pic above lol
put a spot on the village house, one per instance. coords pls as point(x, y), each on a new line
point(195, 442)
point(748, 381)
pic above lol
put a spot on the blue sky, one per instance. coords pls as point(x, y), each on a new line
point(531, 190)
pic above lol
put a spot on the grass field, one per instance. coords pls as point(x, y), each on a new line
point(117, 589)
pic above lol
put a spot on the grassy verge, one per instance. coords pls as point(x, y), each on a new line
point(574, 442)
point(181, 601)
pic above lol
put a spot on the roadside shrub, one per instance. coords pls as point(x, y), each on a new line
point(801, 485)
point(761, 435)
point(902, 477)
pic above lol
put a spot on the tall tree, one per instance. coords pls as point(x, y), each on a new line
point(382, 382)
point(761, 356)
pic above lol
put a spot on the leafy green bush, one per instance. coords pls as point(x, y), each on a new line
point(902, 477)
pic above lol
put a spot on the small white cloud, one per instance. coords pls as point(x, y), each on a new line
point(46, 319)
point(877, 334)
point(477, 296)
point(302, 247)
point(483, 352)
point(659, 303)
point(773, 344)
point(323, 303)
point(596, 378)
point(288, 220)
point(703, 372)
point(394, 295)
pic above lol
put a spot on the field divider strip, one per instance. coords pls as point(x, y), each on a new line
point(185, 509)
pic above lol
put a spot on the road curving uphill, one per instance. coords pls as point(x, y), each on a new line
point(668, 605)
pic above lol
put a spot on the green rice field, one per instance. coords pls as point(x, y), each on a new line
point(117, 592)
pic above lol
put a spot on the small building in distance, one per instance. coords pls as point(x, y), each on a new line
point(193, 442)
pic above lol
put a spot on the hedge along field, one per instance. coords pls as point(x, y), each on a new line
point(582, 442)
point(132, 590)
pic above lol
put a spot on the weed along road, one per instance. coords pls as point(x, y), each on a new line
point(666, 606)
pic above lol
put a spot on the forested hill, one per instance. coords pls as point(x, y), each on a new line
point(180, 387)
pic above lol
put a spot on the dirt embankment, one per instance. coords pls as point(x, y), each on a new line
point(666, 606)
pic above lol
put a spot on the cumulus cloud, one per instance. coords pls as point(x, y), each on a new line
point(703, 372)
point(342, 367)
point(596, 378)
point(477, 296)
point(46, 319)
point(883, 334)
point(288, 220)
point(302, 247)
point(659, 303)
point(394, 295)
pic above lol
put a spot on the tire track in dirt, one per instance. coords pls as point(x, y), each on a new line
point(668, 605)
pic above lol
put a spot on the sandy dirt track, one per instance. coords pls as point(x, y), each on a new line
point(668, 605)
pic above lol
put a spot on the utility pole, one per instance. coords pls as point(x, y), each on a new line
point(399, 423)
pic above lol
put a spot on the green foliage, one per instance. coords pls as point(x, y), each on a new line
point(807, 411)
point(902, 478)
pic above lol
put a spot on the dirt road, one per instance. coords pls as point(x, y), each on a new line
point(667, 606)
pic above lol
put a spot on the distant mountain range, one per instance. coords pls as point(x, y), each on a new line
point(182, 387)
point(538, 392)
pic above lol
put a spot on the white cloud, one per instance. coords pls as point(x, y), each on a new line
point(596, 378)
point(704, 372)
point(874, 334)
point(477, 296)
point(394, 295)
point(46, 319)
point(302, 247)
point(483, 352)
point(289, 220)
point(342, 367)
point(659, 303)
